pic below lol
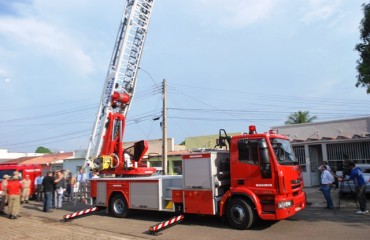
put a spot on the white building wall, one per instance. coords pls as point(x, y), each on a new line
point(5, 155)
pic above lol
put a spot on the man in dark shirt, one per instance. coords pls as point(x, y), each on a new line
point(48, 185)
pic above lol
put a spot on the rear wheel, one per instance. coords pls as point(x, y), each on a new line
point(240, 214)
point(119, 206)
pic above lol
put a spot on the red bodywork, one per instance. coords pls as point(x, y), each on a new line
point(246, 182)
point(213, 181)
point(285, 183)
point(113, 146)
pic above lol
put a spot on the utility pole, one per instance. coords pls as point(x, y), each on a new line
point(164, 130)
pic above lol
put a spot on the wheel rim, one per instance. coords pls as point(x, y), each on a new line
point(238, 214)
point(119, 206)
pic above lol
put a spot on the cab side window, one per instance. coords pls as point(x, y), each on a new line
point(248, 151)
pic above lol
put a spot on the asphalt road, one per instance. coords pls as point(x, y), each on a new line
point(312, 223)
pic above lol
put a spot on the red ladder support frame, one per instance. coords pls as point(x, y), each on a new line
point(80, 213)
point(165, 224)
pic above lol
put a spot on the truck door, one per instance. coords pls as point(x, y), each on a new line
point(250, 163)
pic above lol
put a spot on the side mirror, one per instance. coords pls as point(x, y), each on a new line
point(221, 141)
point(265, 159)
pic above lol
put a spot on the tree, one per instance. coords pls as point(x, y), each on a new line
point(42, 150)
point(300, 117)
point(363, 64)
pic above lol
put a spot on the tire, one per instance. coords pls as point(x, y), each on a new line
point(240, 214)
point(118, 206)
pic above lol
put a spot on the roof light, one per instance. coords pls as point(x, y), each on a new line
point(252, 129)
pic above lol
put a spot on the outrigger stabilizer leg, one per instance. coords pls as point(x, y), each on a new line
point(80, 213)
point(165, 224)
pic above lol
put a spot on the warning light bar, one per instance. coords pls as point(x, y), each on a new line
point(252, 129)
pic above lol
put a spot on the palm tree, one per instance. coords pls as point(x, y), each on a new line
point(300, 117)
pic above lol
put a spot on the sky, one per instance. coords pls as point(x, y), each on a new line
point(227, 63)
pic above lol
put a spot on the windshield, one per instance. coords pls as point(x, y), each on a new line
point(9, 172)
point(283, 151)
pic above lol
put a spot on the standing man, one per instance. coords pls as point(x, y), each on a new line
point(327, 166)
point(81, 179)
point(26, 183)
point(48, 188)
point(358, 179)
point(39, 188)
point(14, 196)
point(71, 181)
point(60, 187)
point(327, 180)
point(4, 195)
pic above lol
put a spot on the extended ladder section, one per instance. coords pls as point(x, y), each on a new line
point(120, 82)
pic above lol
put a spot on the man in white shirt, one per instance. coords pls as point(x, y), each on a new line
point(327, 166)
point(327, 180)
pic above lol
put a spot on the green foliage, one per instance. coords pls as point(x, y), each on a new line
point(300, 117)
point(363, 64)
point(182, 143)
point(42, 150)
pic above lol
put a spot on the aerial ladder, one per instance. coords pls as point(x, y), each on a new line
point(106, 152)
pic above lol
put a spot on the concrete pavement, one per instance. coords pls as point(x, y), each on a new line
point(35, 224)
point(315, 198)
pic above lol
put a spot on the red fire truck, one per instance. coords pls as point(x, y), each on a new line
point(33, 170)
point(248, 177)
point(258, 177)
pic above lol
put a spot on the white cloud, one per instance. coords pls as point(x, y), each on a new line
point(236, 13)
point(318, 10)
point(3, 72)
point(47, 39)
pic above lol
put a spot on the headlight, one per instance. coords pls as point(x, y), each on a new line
point(285, 204)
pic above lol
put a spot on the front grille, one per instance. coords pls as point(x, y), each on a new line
point(296, 184)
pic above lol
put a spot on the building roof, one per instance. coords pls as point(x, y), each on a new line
point(344, 129)
point(43, 160)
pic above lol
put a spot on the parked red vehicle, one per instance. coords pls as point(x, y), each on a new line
point(33, 170)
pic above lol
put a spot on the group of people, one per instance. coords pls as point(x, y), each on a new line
point(328, 179)
point(52, 189)
point(14, 193)
point(56, 186)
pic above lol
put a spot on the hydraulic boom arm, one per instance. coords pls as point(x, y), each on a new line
point(105, 150)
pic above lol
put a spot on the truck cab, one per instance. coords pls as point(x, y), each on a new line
point(265, 179)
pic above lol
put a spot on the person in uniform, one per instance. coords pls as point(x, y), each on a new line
point(16, 175)
point(4, 195)
point(14, 196)
point(26, 183)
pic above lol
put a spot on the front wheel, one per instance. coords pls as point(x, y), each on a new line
point(240, 214)
point(119, 206)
